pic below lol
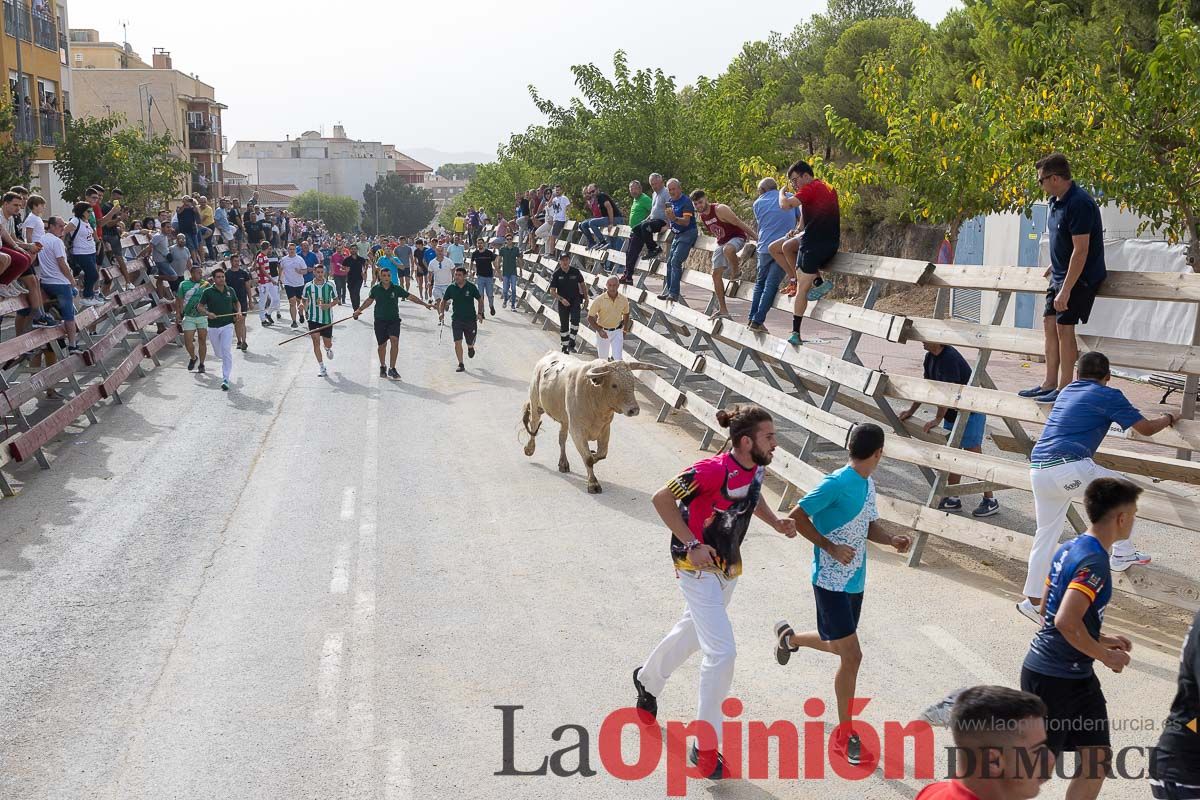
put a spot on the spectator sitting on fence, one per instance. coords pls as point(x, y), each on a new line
point(944, 363)
point(56, 278)
point(32, 230)
point(731, 234)
point(1076, 271)
point(21, 269)
point(605, 214)
point(775, 221)
point(816, 240)
point(643, 232)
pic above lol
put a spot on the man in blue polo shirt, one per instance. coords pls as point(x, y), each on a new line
point(681, 214)
point(838, 517)
point(774, 223)
point(311, 259)
point(1076, 271)
point(1061, 466)
point(944, 363)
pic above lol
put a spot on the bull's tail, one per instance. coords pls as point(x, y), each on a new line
point(525, 414)
point(532, 421)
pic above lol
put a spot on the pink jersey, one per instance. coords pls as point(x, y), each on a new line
point(717, 496)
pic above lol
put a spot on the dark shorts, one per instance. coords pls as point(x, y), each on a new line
point(557, 228)
point(811, 258)
point(464, 328)
point(403, 272)
point(1076, 711)
point(1079, 307)
point(325, 334)
point(293, 291)
point(837, 613)
point(386, 329)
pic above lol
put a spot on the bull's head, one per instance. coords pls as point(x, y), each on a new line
point(614, 384)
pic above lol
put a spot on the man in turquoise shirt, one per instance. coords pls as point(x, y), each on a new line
point(838, 517)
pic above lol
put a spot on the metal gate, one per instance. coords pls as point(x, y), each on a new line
point(965, 303)
point(1028, 308)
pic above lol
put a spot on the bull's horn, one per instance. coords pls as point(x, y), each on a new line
point(599, 372)
point(644, 365)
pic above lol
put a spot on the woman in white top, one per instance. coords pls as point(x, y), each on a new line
point(82, 239)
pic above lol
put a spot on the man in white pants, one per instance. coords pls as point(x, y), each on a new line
point(609, 315)
point(441, 272)
point(220, 305)
point(1061, 466)
point(707, 508)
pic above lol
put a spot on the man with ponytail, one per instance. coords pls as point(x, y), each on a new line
point(707, 508)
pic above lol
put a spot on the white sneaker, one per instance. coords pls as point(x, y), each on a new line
point(323, 372)
point(7, 290)
point(1121, 563)
point(938, 714)
point(90, 302)
point(20, 288)
point(1030, 611)
point(329, 353)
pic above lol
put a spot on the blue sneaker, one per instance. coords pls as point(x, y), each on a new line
point(817, 292)
point(1035, 391)
point(950, 504)
point(1048, 397)
point(988, 507)
point(794, 339)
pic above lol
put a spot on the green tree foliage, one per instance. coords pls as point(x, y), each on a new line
point(340, 214)
point(15, 156)
point(458, 172)
point(446, 216)
point(101, 150)
point(403, 208)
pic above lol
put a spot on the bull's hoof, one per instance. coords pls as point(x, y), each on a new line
point(563, 466)
point(595, 488)
point(529, 449)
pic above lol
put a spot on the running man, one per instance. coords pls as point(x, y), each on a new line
point(268, 285)
point(510, 255)
point(387, 319)
point(1175, 761)
point(220, 304)
point(816, 240)
point(731, 234)
point(320, 297)
point(459, 295)
point(403, 255)
point(483, 260)
point(293, 268)
point(570, 297)
point(707, 509)
point(441, 274)
point(238, 279)
point(1059, 666)
point(839, 518)
point(187, 308)
point(457, 252)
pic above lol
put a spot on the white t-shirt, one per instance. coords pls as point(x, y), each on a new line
point(559, 205)
point(35, 222)
point(442, 271)
point(293, 269)
point(84, 242)
point(53, 249)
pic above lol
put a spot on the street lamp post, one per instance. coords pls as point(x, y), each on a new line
point(376, 211)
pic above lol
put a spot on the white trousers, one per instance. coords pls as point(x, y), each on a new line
point(1053, 490)
point(704, 626)
point(268, 291)
point(613, 346)
point(221, 340)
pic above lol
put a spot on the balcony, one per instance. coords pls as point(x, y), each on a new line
point(16, 20)
point(50, 123)
point(24, 125)
point(45, 33)
point(203, 140)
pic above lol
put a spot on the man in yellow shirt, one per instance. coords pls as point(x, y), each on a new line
point(208, 222)
point(460, 223)
point(609, 315)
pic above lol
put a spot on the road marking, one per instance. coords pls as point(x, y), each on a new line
point(398, 784)
point(340, 581)
point(327, 679)
point(968, 658)
point(348, 502)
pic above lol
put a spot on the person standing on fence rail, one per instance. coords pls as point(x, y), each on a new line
point(818, 236)
point(219, 303)
point(570, 296)
point(774, 222)
point(1076, 271)
point(945, 364)
point(707, 508)
point(839, 517)
point(609, 314)
point(681, 214)
point(643, 234)
point(1061, 466)
point(731, 234)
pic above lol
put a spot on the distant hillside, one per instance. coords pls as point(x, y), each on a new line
point(435, 158)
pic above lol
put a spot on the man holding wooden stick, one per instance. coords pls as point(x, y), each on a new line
point(319, 297)
point(220, 305)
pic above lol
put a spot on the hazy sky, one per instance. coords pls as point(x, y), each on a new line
point(445, 75)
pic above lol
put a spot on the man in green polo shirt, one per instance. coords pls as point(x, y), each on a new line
point(509, 255)
point(387, 318)
point(219, 304)
point(463, 318)
point(640, 209)
point(193, 321)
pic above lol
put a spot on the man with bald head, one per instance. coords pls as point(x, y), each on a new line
point(609, 315)
point(643, 233)
point(774, 222)
point(681, 214)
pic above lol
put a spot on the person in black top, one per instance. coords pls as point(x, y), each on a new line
point(354, 263)
point(238, 279)
point(570, 293)
point(944, 363)
point(189, 226)
point(608, 214)
point(1175, 761)
point(483, 260)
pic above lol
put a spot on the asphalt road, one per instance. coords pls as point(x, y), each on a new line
point(322, 588)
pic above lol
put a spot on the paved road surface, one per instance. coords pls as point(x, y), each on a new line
point(316, 588)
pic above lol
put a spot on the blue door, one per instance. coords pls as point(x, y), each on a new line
point(964, 303)
point(1028, 252)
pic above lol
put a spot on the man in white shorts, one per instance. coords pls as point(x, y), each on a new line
point(441, 272)
point(1061, 466)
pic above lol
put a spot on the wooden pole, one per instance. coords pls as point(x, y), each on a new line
point(317, 330)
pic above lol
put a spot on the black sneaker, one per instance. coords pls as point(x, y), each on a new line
point(470, 352)
point(266, 323)
point(200, 367)
point(382, 371)
point(712, 757)
point(191, 364)
point(46, 322)
point(850, 749)
point(783, 634)
point(493, 311)
point(988, 507)
point(294, 326)
point(950, 504)
point(461, 368)
point(391, 373)
point(645, 701)
point(74, 348)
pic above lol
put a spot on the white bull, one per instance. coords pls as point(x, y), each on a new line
point(582, 397)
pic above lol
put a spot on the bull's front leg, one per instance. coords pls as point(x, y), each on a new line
point(602, 444)
point(563, 432)
point(589, 460)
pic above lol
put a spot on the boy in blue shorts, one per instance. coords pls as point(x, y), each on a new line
point(838, 517)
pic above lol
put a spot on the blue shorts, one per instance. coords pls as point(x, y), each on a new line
point(973, 435)
point(837, 613)
point(61, 293)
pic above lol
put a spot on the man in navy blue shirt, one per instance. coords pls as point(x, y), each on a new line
point(944, 363)
point(1061, 465)
point(681, 213)
point(1059, 666)
point(1076, 271)
point(1175, 761)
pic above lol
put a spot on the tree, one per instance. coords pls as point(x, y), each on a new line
point(403, 208)
point(446, 216)
point(15, 156)
point(458, 172)
point(101, 150)
point(340, 214)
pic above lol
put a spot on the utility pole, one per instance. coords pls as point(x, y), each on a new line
point(23, 120)
point(124, 44)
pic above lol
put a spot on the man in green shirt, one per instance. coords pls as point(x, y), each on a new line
point(220, 306)
point(510, 254)
point(387, 318)
point(319, 297)
point(187, 309)
point(463, 317)
point(640, 209)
